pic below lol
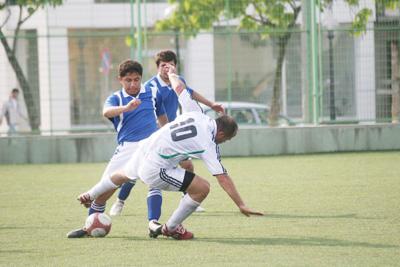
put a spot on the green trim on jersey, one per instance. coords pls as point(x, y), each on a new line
point(178, 154)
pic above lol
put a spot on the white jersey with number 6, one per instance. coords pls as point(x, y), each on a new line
point(191, 134)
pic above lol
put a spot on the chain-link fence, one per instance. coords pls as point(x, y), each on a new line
point(71, 65)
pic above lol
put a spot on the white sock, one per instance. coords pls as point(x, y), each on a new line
point(186, 207)
point(101, 187)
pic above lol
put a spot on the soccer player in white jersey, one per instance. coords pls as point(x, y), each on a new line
point(156, 161)
point(134, 111)
point(164, 59)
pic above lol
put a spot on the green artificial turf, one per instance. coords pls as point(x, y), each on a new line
point(320, 210)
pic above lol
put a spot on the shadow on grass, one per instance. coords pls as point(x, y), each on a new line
point(15, 251)
point(25, 227)
point(304, 241)
point(287, 216)
point(265, 241)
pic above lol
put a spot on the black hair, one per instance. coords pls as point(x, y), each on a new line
point(227, 125)
point(165, 56)
point(129, 66)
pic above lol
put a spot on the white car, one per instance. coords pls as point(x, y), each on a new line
point(246, 113)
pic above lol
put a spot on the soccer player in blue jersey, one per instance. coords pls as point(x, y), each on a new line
point(164, 59)
point(155, 163)
point(134, 111)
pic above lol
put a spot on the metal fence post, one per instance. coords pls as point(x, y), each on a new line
point(312, 55)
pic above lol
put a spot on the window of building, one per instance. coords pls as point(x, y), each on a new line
point(93, 78)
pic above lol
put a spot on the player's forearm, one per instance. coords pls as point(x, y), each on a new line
point(199, 98)
point(227, 184)
point(176, 83)
point(112, 112)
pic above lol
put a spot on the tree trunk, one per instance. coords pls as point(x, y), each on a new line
point(395, 82)
point(32, 106)
point(277, 89)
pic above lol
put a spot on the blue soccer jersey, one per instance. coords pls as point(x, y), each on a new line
point(168, 96)
point(140, 123)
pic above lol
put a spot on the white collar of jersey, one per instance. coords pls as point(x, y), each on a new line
point(161, 81)
point(142, 90)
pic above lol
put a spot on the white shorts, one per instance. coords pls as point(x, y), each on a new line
point(171, 179)
point(121, 156)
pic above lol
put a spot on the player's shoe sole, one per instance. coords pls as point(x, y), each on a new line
point(154, 229)
point(78, 233)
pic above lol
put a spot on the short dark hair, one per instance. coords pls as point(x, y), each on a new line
point(15, 90)
point(165, 56)
point(227, 125)
point(129, 66)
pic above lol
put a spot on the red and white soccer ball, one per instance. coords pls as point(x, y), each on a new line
point(98, 224)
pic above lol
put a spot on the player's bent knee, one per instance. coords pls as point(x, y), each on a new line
point(199, 188)
point(119, 178)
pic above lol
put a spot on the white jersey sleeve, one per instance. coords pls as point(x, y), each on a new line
point(212, 159)
point(188, 104)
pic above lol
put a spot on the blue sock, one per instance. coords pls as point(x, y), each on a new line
point(96, 208)
point(126, 190)
point(154, 202)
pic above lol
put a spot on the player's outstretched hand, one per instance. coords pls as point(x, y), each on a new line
point(133, 104)
point(218, 108)
point(247, 211)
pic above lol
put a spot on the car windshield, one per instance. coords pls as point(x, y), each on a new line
point(250, 115)
point(243, 116)
point(263, 114)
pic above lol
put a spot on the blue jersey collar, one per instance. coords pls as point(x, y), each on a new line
point(161, 81)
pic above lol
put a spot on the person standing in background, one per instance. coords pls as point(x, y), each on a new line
point(12, 111)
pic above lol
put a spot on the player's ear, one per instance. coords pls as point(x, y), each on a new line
point(220, 135)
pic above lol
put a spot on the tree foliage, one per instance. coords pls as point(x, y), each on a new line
point(262, 16)
point(191, 16)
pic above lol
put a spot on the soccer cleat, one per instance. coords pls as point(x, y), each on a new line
point(200, 209)
point(154, 229)
point(85, 200)
point(180, 233)
point(78, 233)
point(116, 208)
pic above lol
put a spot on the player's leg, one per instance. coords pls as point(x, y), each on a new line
point(123, 194)
point(197, 191)
point(97, 196)
point(88, 199)
point(177, 179)
point(125, 153)
point(188, 165)
point(97, 205)
point(109, 182)
point(154, 203)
